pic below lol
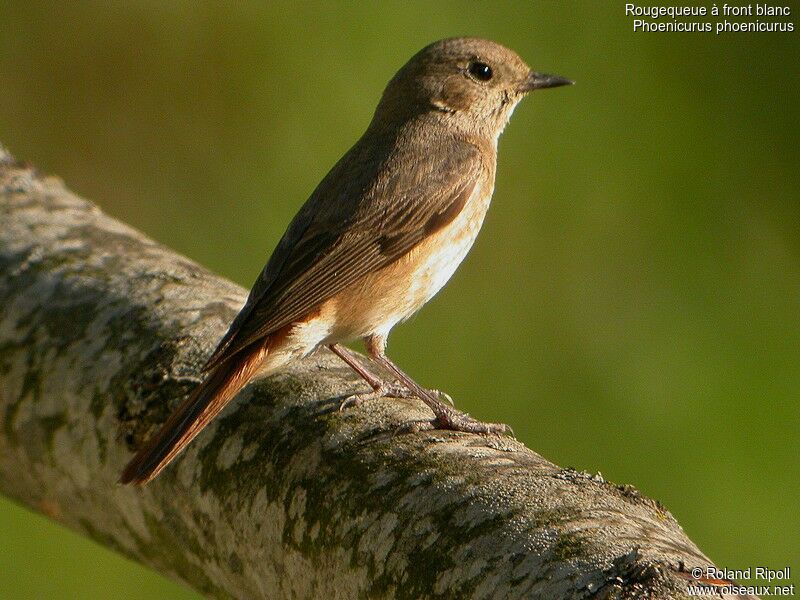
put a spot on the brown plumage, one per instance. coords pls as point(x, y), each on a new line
point(381, 234)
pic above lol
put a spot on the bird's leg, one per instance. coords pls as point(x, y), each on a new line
point(379, 387)
point(349, 357)
point(447, 417)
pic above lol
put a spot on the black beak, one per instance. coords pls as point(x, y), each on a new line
point(539, 81)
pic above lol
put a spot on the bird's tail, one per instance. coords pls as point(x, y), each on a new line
point(202, 405)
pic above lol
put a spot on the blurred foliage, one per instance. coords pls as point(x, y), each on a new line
point(632, 305)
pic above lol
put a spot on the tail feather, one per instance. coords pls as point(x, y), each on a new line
point(202, 405)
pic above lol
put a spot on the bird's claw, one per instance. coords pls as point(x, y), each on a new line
point(439, 394)
point(391, 390)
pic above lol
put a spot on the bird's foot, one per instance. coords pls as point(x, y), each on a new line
point(391, 390)
point(454, 421)
point(457, 421)
point(395, 390)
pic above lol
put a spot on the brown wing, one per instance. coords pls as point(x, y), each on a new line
point(372, 208)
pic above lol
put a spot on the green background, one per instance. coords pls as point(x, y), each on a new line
point(632, 305)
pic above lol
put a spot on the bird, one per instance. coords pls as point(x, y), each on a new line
point(381, 234)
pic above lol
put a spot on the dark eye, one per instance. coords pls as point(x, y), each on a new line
point(480, 71)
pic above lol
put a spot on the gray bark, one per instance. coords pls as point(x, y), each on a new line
point(102, 331)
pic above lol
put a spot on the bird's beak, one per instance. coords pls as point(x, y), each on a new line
point(539, 81)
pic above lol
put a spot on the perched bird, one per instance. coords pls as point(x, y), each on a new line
point(378, 238)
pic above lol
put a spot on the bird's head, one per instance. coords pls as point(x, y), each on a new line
point(472, 83)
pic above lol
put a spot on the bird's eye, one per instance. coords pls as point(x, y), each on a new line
point(480, 71)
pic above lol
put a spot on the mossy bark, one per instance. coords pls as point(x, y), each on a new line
point(102, 331)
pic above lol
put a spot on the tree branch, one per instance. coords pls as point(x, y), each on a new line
point(102, 331)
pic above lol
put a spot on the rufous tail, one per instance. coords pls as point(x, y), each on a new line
point(197, 411)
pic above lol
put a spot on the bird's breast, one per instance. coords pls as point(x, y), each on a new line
point(394, 293)
point(434, 261)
